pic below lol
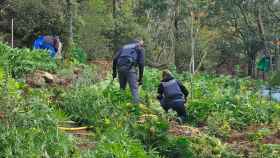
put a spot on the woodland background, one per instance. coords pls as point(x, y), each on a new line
point(217, 36)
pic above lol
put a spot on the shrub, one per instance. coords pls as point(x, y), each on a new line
point(86, 104)
point(117, 143)
point(23, 61)
point(78, 54)
point(33, 133)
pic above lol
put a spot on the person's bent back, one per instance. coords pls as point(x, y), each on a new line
point(172, 94)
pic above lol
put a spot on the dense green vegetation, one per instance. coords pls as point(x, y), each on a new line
point(218, 108)
point(23, 61)
point(201, 41)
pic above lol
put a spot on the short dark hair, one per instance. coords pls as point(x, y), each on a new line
point(166, 73)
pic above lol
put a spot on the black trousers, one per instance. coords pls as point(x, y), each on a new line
point(176, 105)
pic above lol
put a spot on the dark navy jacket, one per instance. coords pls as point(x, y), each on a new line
point(161, 88)
point(140, 59)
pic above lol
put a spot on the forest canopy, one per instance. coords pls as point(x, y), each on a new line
point(208, 34)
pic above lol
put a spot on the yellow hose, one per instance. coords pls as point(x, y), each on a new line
point(148, 115)
point(74, 128)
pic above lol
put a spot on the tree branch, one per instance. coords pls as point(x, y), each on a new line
point(157, 65)
point(201, 61)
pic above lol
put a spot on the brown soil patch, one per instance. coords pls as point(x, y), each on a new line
point(104, 66)
point(183, 130)
point(236, 137)
point(80, 133)
point(84, 140)
point(239, 141)
point(42, 78)
point(272, 139)
point(84, 137)
point(245, 148)
point(86, 146)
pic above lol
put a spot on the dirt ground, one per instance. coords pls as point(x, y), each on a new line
point(240, 142)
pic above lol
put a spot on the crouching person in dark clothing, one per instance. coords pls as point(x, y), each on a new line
point(173, 95)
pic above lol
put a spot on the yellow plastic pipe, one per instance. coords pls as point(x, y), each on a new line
point(74, 128)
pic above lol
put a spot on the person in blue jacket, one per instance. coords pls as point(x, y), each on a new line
point(50, 43)
point(172, 94)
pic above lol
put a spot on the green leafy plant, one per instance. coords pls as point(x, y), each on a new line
point(33, 133)
point(117, 143)
point(23, 61)
point(78, 54)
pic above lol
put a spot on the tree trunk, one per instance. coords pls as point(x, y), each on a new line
point(114, 8)
point(117, 5)
point(252, 64)
point(201, 62)
point(260, 24)
point(277, 57)
point(176, 27)
point(70, 21)
point(12, 30)
point(192, 45)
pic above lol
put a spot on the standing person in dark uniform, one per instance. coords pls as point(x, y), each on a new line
point(125, 64)
point(172, 94)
